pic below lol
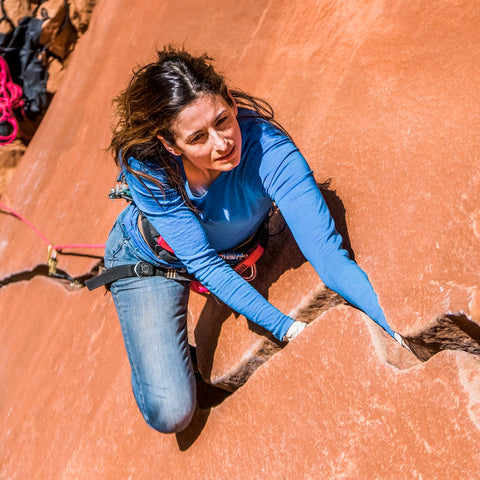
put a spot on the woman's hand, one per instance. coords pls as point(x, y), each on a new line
point(295, 328)
point(400, 340)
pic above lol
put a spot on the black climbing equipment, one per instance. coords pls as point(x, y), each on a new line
point(140, 269)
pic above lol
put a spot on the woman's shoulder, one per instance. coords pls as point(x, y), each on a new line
point(256, 128)
point(248, 117)
point(150, 167)
point(148, 177)
point(260, 135)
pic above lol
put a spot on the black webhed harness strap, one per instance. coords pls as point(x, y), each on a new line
point(140, 269)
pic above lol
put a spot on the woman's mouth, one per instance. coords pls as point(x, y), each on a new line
point(228, 156)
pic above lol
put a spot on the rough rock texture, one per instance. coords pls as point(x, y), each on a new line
point(58, 33)
point(15, 10)
point(381, 97)
point(80, 13)
point(10, 156)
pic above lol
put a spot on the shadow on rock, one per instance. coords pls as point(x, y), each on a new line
point(281, 254)
point(186, 438)
point(337, 210)
point(43, 270)
point(208, 397)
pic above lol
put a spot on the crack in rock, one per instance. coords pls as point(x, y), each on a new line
point(320, 302)
point(42, 270)
point(452, 331)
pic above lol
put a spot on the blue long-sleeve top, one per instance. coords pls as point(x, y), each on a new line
point(271, 169)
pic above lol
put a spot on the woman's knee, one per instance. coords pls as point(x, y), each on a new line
point(169, 418)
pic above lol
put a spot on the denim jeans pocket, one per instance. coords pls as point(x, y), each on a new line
point(119, 249)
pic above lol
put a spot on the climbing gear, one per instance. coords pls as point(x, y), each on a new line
point(248, 262)
point(26, 58)
point(233, 257)
point(121, 190)
point(243, 261)
point(145, 269)
point(53, 249)
point(242, 258)
point(10, 98)
point(140, 269)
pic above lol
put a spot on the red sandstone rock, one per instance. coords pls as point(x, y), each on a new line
point(58, 34)
point(15, 10)
point(10, 156)
point(382, 99)
point(80, 13)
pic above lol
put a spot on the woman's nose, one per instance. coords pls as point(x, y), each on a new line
point(219, 141)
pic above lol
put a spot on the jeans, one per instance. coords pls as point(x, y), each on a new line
point(153, 317)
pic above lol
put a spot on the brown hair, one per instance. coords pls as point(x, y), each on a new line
point(155, 95)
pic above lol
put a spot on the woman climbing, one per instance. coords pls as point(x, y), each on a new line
point(204, 165)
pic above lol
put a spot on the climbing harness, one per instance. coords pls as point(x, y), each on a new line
point(242, 259)
point(53, 249)
point(140, 269)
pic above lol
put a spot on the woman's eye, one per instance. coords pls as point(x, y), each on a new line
point(221, 120)
point(196, 138)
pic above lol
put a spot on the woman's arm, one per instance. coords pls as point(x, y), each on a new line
point(289, 181)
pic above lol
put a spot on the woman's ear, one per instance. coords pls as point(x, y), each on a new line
point(168, 147)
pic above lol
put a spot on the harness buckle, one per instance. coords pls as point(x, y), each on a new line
point(144, 269)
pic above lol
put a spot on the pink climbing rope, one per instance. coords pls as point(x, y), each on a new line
point(10, 98)
point(43, 237)
point(25, 221)
point(78, 245)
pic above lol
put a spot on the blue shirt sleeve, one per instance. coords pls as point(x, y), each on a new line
point(181, 229)
point(289, 181)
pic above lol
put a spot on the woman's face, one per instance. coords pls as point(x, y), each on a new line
point(207, 134)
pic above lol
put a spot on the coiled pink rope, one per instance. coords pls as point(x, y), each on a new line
point(10, 98)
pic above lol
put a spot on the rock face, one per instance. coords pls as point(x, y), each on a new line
point(58, 33)
point(380, 97)
point(15, 10)
point(80, 13)
point(10, 156)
